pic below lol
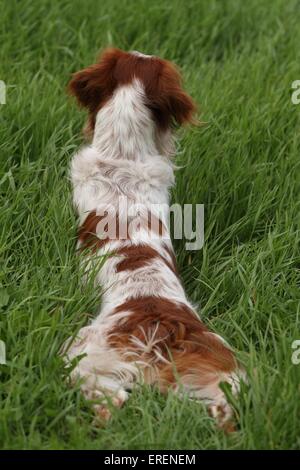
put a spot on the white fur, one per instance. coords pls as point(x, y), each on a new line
point(127, 161)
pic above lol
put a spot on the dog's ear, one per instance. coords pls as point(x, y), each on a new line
point(93, 85)
point(168, 101)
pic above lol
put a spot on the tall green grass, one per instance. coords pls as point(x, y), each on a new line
point(239, 60)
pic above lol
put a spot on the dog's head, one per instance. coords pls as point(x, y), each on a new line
point(169, 104)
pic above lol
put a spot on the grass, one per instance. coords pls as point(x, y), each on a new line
point(239, 60)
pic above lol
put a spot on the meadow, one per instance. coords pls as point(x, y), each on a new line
point(238, 60)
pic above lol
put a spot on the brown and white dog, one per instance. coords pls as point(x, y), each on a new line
point(146, 331)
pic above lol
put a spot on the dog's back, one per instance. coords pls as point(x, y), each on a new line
point(146, 330)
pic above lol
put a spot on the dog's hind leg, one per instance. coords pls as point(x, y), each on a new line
point(199, 375)
point(103, 373)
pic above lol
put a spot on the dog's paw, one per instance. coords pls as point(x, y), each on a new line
point(103, 410)
point(222, 413)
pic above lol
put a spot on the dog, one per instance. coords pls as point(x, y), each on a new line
point(146, 331)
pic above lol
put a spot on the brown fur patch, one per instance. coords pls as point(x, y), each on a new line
point(136, 256)
point(180, 337)
point(139, 256)
point(166, 99)
point(87, 232)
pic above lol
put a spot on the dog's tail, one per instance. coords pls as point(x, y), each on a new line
point(176, 350)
